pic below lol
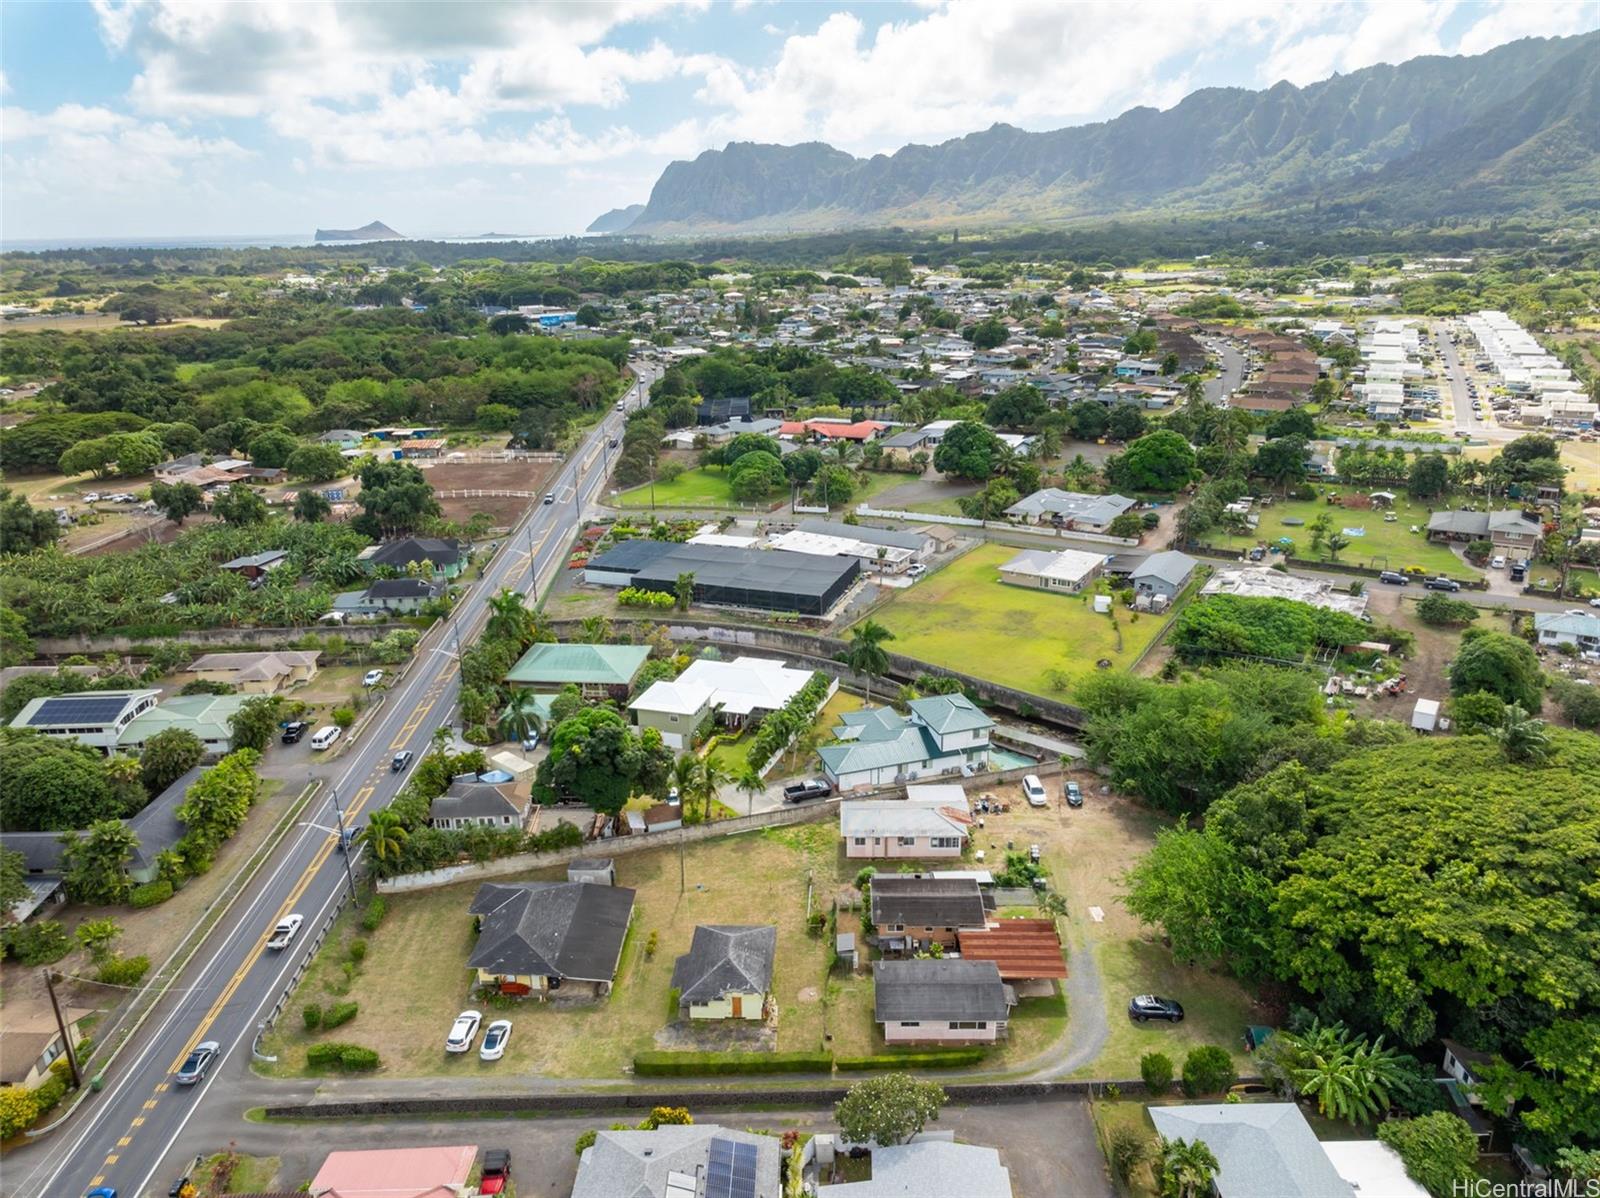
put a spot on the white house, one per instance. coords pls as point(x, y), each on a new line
point(1064, 570)
point(934, 822)
point(93, 718)
point(1569, 628)
point(733, 691)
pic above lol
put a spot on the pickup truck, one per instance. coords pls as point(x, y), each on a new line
point(1441, 583)
point(811, 788)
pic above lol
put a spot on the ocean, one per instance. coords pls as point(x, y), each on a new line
point(250, 241)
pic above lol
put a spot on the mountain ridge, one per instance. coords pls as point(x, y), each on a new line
point(1345, 141)
point(372, 231)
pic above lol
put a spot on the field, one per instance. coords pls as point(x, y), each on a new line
point(505, 510)
point(964, 618)
point(1384, 545)
point(707, 487)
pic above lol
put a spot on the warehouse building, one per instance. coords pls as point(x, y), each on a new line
point(762, 579)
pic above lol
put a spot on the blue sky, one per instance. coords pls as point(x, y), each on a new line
point(162, 118)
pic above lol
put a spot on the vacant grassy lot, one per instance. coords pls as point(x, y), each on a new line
point(415, 979)
point(707, 487)
point(965, 618)
point(1384, 545)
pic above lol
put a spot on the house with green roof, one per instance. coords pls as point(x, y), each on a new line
point(207, 716)
point(598, 671)
point(942, 734)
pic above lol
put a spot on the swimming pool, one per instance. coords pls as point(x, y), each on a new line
point(1005, 759)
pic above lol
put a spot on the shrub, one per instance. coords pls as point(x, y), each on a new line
point(1441, 611)
point(41, 943)
point(933, 1058)
point(124, 971)
point(585, 1139)
point(1156, 1069)
point(376, 910)
point(313, 1016)
point(716, 1064)
point(339, 1014)
point(150, 894)
point(1127, 1148)
point(1439, 1151)
point(562, 836)
point(18, 1110)
point(356, 1057)
point(650, 946)
point(358, 950)
point(343, 716)
point(334, 1055)
point(1208, 1070)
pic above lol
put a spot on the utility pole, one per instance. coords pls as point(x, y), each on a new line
point(61, 1025)
point(344, 845)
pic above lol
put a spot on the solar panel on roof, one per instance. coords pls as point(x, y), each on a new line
point(731, 1170)
point(61, 711)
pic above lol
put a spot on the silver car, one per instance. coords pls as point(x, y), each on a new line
point(197, 1062)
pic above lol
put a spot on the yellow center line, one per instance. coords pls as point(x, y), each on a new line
point(151, 1105)
point(124, 1142)
point(138, 1121)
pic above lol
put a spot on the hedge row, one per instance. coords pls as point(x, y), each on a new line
point(339, 1013)
point(934, 1058)
point(150, 893)
point(712, 1064)
point(333, 1055)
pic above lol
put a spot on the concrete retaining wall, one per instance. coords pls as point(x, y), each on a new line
point(1037, 530)
point(203, 639)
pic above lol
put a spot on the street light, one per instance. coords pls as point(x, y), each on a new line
point(344, 845)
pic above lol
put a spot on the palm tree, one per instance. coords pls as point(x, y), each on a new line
point(509, 619)
point(866, 654)
point(521, 717)
point(684, 772)
point(1523, 738)
point(1350, 1076)
point(1187, 1169)
point(709, 780)
point(384, 834)
point(750, 784)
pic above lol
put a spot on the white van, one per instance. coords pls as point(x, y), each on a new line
point(324, 736)
point(1032, 788)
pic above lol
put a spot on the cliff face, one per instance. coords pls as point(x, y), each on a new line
point(1521, 120)
point(615, 221)
point(376, 231)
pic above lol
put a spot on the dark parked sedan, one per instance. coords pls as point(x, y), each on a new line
point(1151, 1006)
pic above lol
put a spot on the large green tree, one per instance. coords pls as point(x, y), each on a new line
point(1158, 461)
point(597, 759)
point(888, 1110)
point(24, 527)
point(969, 450)
point(241, 505)
point(1501, 664)
point(51, 785)
point(95, 865)
point(168, 756)
point(177, 501)
point(255, 723)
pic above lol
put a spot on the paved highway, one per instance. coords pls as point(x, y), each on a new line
point(119, 1137)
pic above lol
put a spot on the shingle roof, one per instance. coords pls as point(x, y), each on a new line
point(416, 549)
point(637, 1164)
point(601, 665)
point(1265, 1150)
point(1072, 505)
point(900, 899)
point(930, 1167)
point(253, 666)
point(725, 958)
point(551, 929)
point(1576, 625)
point(1021, 948)
point(473, 800)
point(938, 990)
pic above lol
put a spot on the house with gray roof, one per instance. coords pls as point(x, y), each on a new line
point(917, 541)
point(540, 937)
point(473, 804)
point(941, 1001)
point(1569, 628)
point(680, 1161)
point(914, 911)
point(914, 828)
point(727, 972)
point(1164, 574)
point(929, 1166)
point(1263, 1150)
point(942, 734)
point(1508, 529)
point(1070, 509)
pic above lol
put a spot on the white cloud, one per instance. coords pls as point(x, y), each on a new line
point(1509, 20)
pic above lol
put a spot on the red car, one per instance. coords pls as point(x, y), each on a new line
point(496, 1168)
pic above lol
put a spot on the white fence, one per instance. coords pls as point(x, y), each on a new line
point(1035, 530)
point(833, 688)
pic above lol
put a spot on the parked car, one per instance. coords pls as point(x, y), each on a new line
point(1519, 571)
point(324, 737)
point(286, 930)
point(530, 742)
point(496, 1169)
point(197, 1062)
point(1595, 602)
point(1034, 853)
point(1153, 1006)
point(401, 760)
point(372, 678)
point(293, 731)
point(463, 1031)
point(1441, 583)
point(811, 788)
point(1033, 791)
point(549, 498)
point(1497, 562)
point(1074, 794)
point(1393, 578)
point(495, 1039)
point(916, 570)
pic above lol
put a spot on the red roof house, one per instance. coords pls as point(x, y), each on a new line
point(1021, 949)
point(439, 1172)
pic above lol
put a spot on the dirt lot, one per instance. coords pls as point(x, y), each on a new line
point(506, 510)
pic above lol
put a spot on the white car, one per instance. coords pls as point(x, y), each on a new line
point(916, 569)
point(372, 678)
point(1497, 562)
point(1595, 602)
point(463, 1031)
point(1033, 791)
point(288, 927)
point(495, 1039)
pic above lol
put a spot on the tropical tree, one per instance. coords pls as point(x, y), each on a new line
point(95, 866)
point(509, 619)
point(709, 780)
point(749, 783)
point(1187, 1168)
point(866, 654)
point(311, 507)
point(521, 717)
point(385, 834)
point(177, 500)
point(1524, 739)
point(888, 1110)
point(1352, 1078)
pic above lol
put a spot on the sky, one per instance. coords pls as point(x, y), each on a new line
point(174, 118)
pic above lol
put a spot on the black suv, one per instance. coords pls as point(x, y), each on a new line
point(1151, 1006)
point(293, 731)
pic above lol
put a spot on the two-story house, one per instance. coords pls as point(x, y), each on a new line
point(942, 734)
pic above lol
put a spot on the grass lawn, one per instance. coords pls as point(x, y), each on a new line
point(938, 507)
point(427, 937)
point(1392, 546)
point(965, 618)
point(251, 1174)
point(707, 487)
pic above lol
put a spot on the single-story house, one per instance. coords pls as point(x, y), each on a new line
point(1023, 950)
point(94, 718)
point(473, 804)
point(264, 673)
point(825, 429)
point(1164, 574)
point(917, 828)
point(943, 734)
point(930, 1167)
point(1070, 509)
point(915, 541)
point(912, 911)
point(1371, 1167)
point(941, 1001)
point(539, 937)
point(1565, 628)
point(1264, 1150)
point(727, 972)
point(342, 438)
point(423, 447)
point(402, 595)
point(257, 565)
point(1508, 529)
point(207, 716)
point(680, 1161)
point(598, 671)
point(1063, 570)
point(434, 1172)
point(734, 691)
point(446, 556)
point(872, 555)
point(30, 1044)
